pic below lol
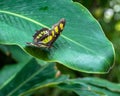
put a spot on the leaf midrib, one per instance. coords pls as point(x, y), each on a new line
point(44, 26)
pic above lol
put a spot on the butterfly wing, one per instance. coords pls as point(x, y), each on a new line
point(56, 30)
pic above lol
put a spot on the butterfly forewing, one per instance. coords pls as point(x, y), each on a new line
point(56, 30)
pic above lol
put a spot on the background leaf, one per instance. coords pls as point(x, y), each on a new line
point(91, 87)
point(102, 83)
point(27, 74)
point(25, 80)
point(8, 72)
point(82, 45)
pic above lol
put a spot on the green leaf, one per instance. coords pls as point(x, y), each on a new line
point(80, 89)
point(102, 83)
point(90, 87)
point(8, 72)
point(82, 45)
point(50, 82)
point(31, 77)
point(27, 75)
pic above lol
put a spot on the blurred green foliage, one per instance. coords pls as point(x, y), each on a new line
point(107, 12)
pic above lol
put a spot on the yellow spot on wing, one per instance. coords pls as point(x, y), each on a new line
point(61, 26)
point(53, 33)
point(43, 32)
point(47, 39)
point(56, 29)
point(38, 36)
point(50, 38)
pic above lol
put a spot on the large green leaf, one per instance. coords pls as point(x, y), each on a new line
point(82, 45)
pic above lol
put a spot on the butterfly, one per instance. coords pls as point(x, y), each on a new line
point(46, 37)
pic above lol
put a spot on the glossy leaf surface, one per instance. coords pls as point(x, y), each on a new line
point(82, 45)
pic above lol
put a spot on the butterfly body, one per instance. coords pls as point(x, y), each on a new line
point(46, 37)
